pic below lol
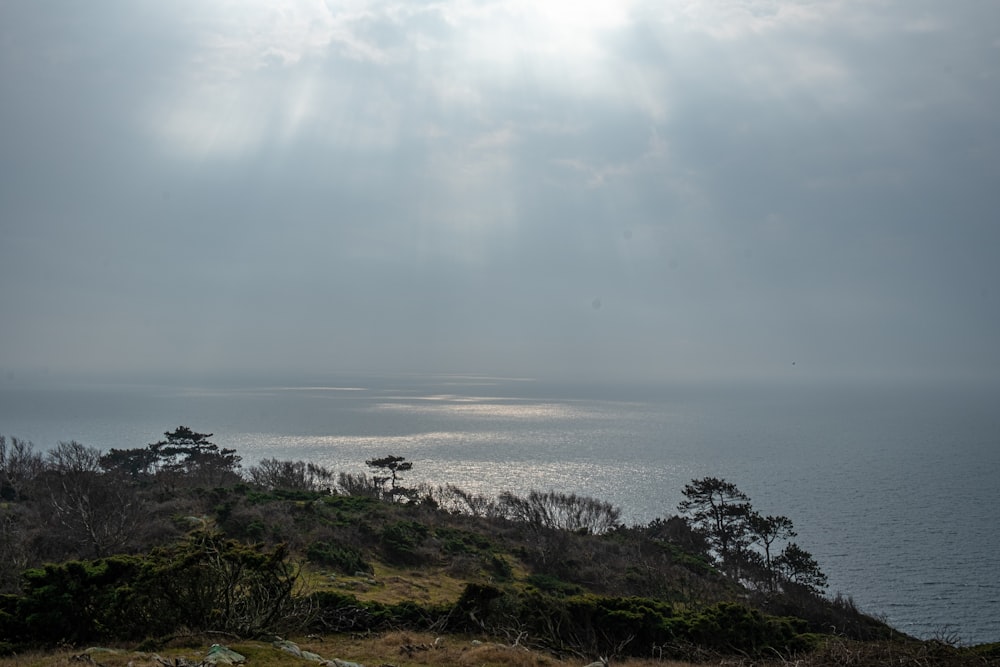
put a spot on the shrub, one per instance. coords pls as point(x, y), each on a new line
point(550, 584)
point(456, 541)
point(205, 583)
point(400, 541)
point(79, 601)
point(342, 559)
point(339, 612)
point(498, 566)
point(560, 511)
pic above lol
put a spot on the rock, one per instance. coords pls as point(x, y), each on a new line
point(293, 648)
point(289, 647)
point(220, 655)
point(346, 663)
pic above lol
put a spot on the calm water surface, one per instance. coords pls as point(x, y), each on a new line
point(894, 490)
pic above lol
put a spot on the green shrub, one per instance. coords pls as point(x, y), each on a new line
point(343, 559)
point(550, 584)
point(339, 612)
point(351, 504)
point(498, 566)
point(205, 583)
point(625, 625)
point(79, 601)
point(11, 626)
point(456, 541)
point(731, 627)
point(401, 540)
point(699, 564)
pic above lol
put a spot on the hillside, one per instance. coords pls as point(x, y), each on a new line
point(204, 555)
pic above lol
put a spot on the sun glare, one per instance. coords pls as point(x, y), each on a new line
point(537, 34)
point(575, 28)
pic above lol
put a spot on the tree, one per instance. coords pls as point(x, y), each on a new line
point(798, 567)
point(360, 484)
point(718, 510)
point(765, 531)
point(214, 583)
point(98, 511)
point(391, 466)
point(675, 530)
point(459, 501)
point(137, 463)
point(19, 465)
point(73, 457)
point(273, 474)
point(560, 511)
point(15, 556)
point(191, 454)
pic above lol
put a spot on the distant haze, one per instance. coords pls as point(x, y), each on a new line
point(576, 190)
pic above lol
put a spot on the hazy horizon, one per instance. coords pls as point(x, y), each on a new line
point(737, 190)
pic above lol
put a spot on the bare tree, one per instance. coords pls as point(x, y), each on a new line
point(560, 511)
point(290, 475)
point(20, 464)
point(100, 512)
point(459, 501)
point(358, 484)
point(14, 552)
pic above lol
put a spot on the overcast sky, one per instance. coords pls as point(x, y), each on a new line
point(568, 189)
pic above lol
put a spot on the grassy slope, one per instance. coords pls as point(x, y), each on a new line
point(450, 552)
point(408, 649)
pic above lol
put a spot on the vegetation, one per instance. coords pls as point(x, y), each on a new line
point(176, 539)
point(742, 541)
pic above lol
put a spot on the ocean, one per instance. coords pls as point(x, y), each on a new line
point(893, 489)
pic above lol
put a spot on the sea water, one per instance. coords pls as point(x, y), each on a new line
point(893, 489)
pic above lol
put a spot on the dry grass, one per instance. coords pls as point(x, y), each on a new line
point(425, 585)
point(413, 649)
point(842, 652)
point(398, 649)
point(391, 585)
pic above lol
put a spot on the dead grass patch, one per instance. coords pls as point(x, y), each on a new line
point(415, 649)
point(398, 649)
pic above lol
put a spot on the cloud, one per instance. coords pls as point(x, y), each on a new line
point(451, 186)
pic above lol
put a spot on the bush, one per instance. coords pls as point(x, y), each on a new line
point(498, 566)
point(339, 612)
point(633, 626)
point(343, 559)
point(79, 601)
point(401, 540)
point(550, 584)
point(560, 511)
point(456, 541)
point(731, 627)
point(206, 583)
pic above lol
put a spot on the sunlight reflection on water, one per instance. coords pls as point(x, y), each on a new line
point(489, 408)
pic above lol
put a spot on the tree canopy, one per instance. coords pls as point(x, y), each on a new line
point(742, 540)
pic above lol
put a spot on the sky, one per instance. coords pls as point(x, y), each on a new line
point(585, 190)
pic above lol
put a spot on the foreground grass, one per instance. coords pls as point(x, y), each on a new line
point(410, 649)
point(399, 649)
